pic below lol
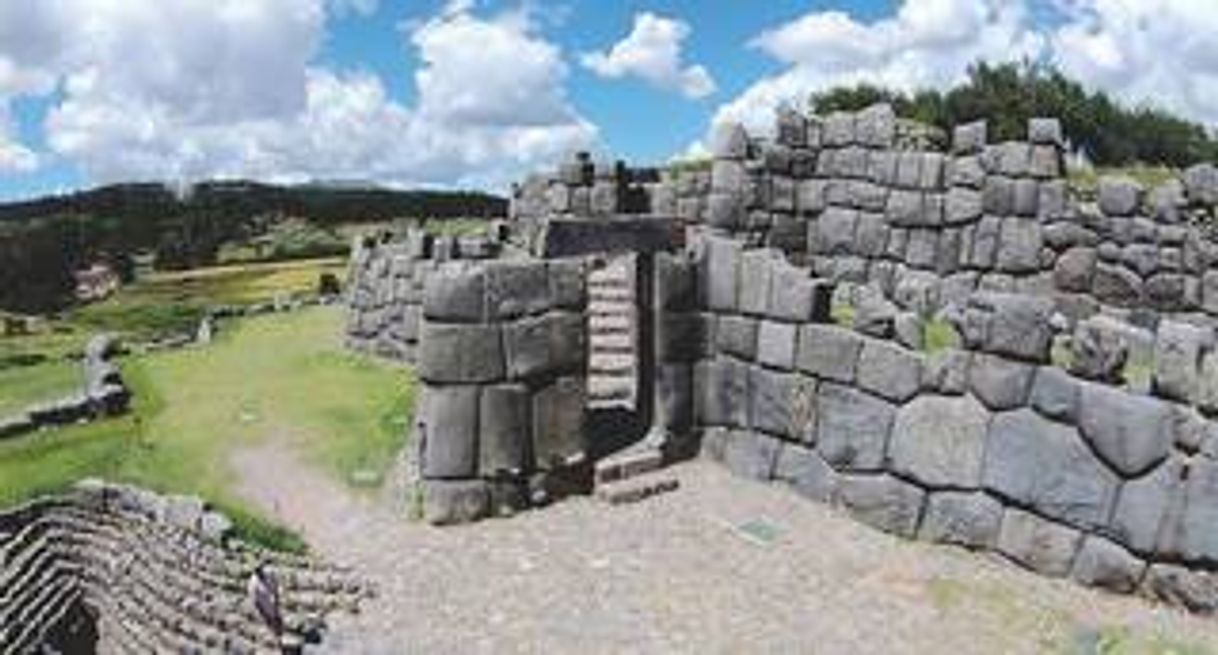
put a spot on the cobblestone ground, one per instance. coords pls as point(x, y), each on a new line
point(722, 565)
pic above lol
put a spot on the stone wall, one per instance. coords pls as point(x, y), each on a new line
point(503, 359)
point(119, 569)
point(102, 393)
point(988, 446)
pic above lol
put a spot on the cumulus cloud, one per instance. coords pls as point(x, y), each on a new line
point(927, 43)
point(202, 88)
point(652, 52)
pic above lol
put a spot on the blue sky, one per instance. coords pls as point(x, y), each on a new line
point(476, 93)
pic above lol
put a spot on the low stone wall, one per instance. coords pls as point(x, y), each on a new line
point(990, 447)
point(502, 354)
point(111, 568)
point(102, 394)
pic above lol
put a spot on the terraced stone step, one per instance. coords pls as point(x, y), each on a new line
point(637, 488)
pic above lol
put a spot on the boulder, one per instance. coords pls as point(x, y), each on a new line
point(1099, 349)
point(1178, 348)
point(1101, 563)
point(940, 441)
point(1119, 196)
point(460, 353)
point(1195, 590)
point(450, 424)
point(448, 502)
point(1074, 269)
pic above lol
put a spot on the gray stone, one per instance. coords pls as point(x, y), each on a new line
point(544, 344)
point(871, 235)
point(516, 288)
point(966, 172)
point(447, 502)
point(1074, 269)
point(1000, 383)
point(783, 404)
point(1132, 433)
point(725, 210)
point(1055, 394)
point(791, 128)
point(1178, 348)
point(829, 352)
point(852, 428)
point(889, 371)
point(962, 205)
point(1045, 131)
point(455, 292)
point(907, 209)
point(1101, 563)
point(450, 441)
point(558, 421)
point(750, 454)
point(1192, 535)
point(1043, 546)
point(730, 141)
point(1142, 258)
point(504, 429)
point(1117, 285)
point(1196, 591)
point(796, 297)
point(720, 270)
point(776, 344)
point(985, 242)
point(1207, 391)
point(998, 196)
point(922, 251)
point(1046, 164)
point(1019, 246)
point(806, 472)
point(873, 313)
point(1019, 325)
point(755, 266)
point(1026, 197)
point(1169, 292)
point(723, 392)
point(907, 327)
point(940, 441)
point(931, 171)
point(946, 372)
point(1045, 465)
point(810, 196)
point(737, 335)
point(838, 129)
point(1100, 349)
point(1201, 184)
point(835, 231)
point(460, 353)
point(1119, 196)
point(883, 502)
point(969, 519)
point(876, 126)
point(969, 138)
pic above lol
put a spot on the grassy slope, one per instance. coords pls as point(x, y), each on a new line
point(24, 386)
point(281, 376)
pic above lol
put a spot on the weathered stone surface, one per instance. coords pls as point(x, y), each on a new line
point(450, 441)
point(1101, 563)
point(873, 312)
point(1055, 394)
point(722, 392)
point(1041, 545)
point(875, 126)
point(969, 138)
point(946, 372)
point(504, 429)
point(940, 441)
point(852, 428)
point(906, 209)
point(1100, 349)
point(882, 501)
point(455, 292)
point(1045, 131)
point(1119, 196)
point(737, 335)
point(870, 235)
point(970, 519)
point(783, 404)
point(725, 210)
point(1131, 432)
point(1192, 535)
point(1116, 285)
point(1142, 509)
point(796, 297)
point(720, 270)
point(1207, 391)
point(751, 454)
point(1019, 325)
point(810, 196)
point(1025, 198)
point(829, 352)
point(730, 141)
point(447, 502)
point(542, 344)
point(755, 266)
point(776, 344)
point(460, 353)
point(1178, 348)
point(1195, 590)
point(908, 330)
point(889, 371)
point(835, 231)
point(1046, 465)
point(516, 288)
point(838, 129)
point(806, 472)
point(1074, 269)
point(1019, 246)
point(558, 420)
point(1201, 184)
point(962, 205)
point(999, 382)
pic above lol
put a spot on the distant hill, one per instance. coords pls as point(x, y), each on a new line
point(42, 241)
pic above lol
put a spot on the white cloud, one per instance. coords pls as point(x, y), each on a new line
point(14, 157)
point(201, 88)
point(652, 51)
point(927, 43)
point(360, 7)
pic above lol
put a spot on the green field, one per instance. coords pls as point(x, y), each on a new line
point(280, 376)
point(26, 385)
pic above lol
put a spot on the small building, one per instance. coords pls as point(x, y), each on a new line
point(96, 282)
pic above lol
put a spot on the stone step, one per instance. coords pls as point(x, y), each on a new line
point(637, 488)
point(611, 294)
point(609, 310)
point(608, 387)
point(612, 342)
point(631, 462)
point(606, 364)
point(610, 323)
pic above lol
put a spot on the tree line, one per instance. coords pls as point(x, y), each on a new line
point(1108, 132)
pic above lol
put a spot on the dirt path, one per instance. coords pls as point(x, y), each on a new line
point(677, 574)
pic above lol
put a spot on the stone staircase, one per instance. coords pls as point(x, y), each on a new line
point(612, 327)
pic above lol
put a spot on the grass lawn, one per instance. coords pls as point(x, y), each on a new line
point(281, 376)
point(26, 385)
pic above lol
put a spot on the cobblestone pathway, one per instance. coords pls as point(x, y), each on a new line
point(720, 566)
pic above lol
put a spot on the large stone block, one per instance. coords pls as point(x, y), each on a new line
point(1043, 546)
point(969, 138)
point(852, 428)
point(835, 231)
point(1178, 348)
point(450, 442)
point(1117, 285)
point(505, 430)
point(883, 502)
point(725, 210)
point(1042, 464)
point(516, 288)
point(1099, 348)
point(1101, 563)
point(446, 502)
point(806, 472)
point(796, 297)
point(962, 205)
point(1019, 246)
point(1182, 587)
point(1192, 535)
point(676, 283)
point(460, 353)
point(969, 519)
point(543, 344)
point(906, 209)
point(876, 126)
point(783, 404)
point(455, 292)
point(755, 267)
point(1019, 325)
point(999, 382)
point(751, 454)
point(1119, 196)
point(1132, 433)
point(737, 335)
point(940, 441)
point(1055, 394)
point(720, 271)
point(1074, 269)
point(558, 423)
point(776, 344)
point(829, 352)
point(728, 177)
point(722, 392)
point(889, 371)
point(810, 198)
point(1142, 512)
point(838, 129)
